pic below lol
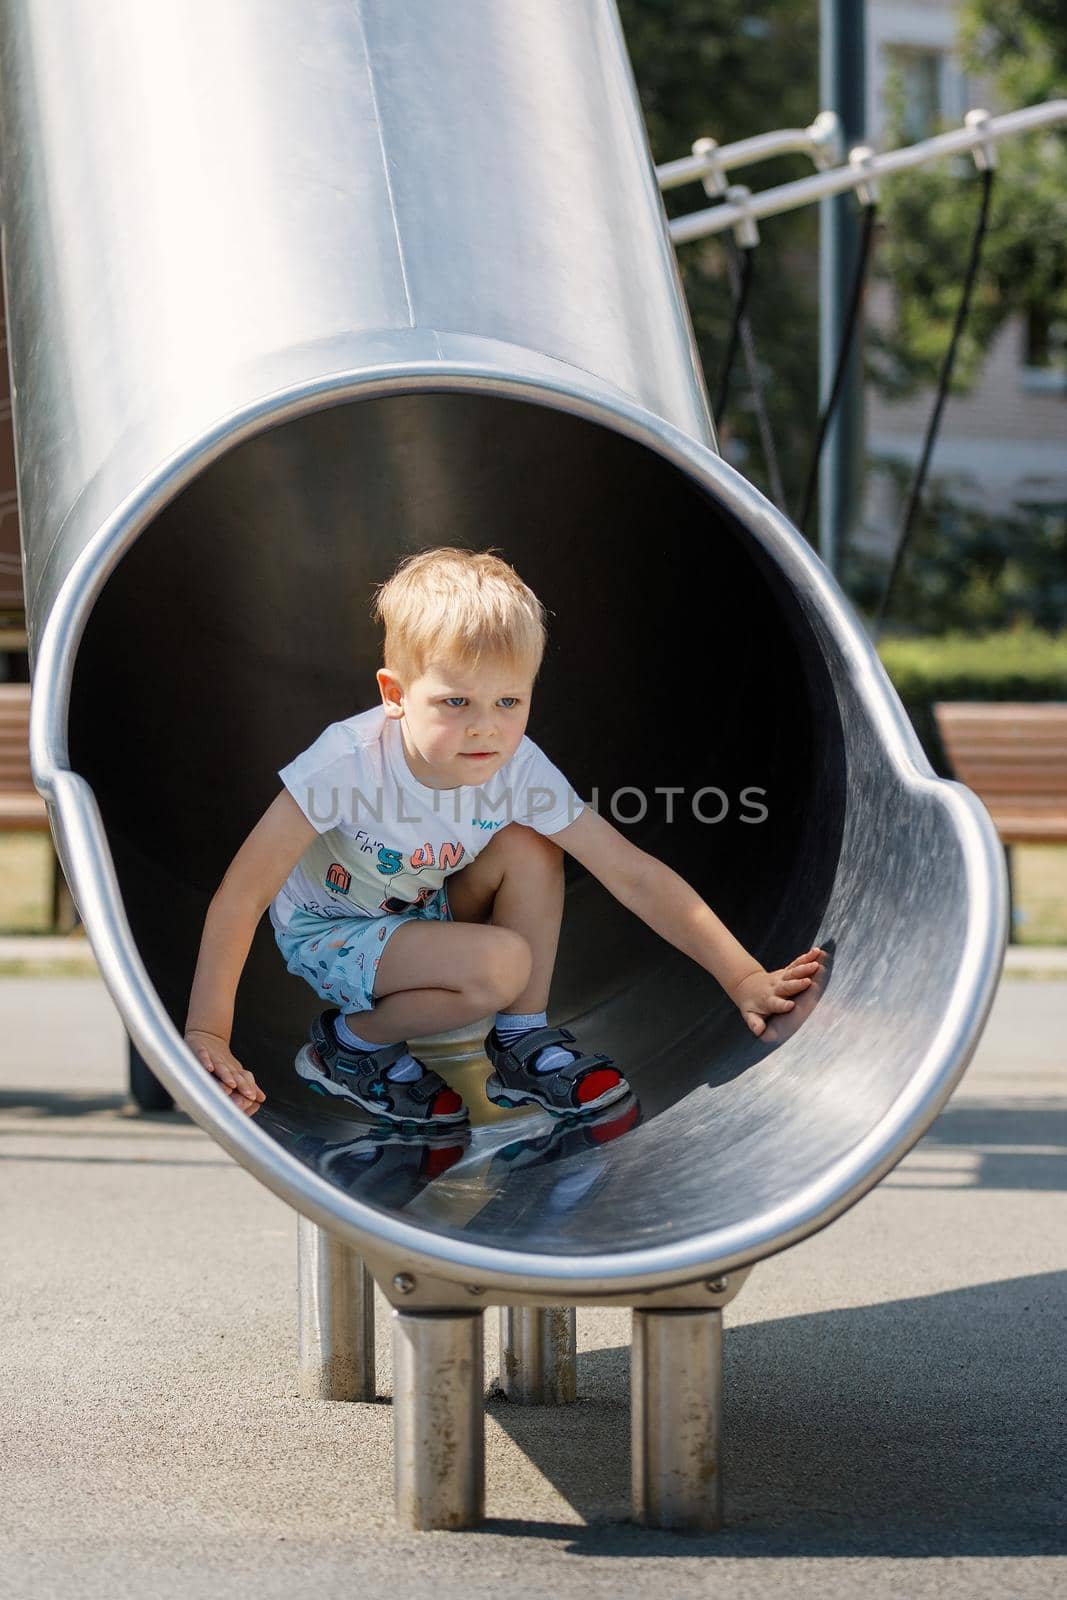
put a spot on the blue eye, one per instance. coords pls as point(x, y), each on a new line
point(451, 699)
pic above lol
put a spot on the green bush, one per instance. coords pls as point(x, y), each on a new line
point(1020, 663)
point(965, 567)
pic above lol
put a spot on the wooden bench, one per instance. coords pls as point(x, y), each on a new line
point(1014, 756)
point(21, 807)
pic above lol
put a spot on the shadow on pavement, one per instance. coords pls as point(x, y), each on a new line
point(1017, 1144)
point(925, 1427)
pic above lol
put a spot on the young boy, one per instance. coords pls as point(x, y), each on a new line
point(412, 865)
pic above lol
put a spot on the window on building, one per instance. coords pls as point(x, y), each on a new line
point(1044, 339)
point(915, 89)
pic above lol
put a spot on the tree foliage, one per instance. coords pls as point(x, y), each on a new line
point(968, 567)
point(728, 69)
point(1019, 46)
point(724, 69)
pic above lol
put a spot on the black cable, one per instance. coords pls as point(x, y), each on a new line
point(735, 327)
point(939, 403)
point(755, 380)
point(851, 322)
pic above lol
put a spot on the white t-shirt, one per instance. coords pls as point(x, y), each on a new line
point(385, 840)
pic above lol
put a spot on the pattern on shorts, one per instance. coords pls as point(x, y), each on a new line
point(339, 956)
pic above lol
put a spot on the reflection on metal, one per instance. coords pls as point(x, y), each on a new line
point(384, 1165)
point(335, 1299)
point(439, 1428)
point(538, 1361)
point(676, 1381)
point(412, 285)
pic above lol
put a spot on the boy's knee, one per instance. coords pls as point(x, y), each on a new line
point(505, 969)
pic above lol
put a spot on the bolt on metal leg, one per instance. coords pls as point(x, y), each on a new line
point(677, 1403)
point(538, 1363)
point(335, 1295)
point(439, 1418)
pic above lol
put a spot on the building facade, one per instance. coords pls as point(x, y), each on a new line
point(1002, 445)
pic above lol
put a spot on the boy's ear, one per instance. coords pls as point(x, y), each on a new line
point(391, 691)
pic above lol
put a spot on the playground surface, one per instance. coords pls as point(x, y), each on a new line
point(894, 1386)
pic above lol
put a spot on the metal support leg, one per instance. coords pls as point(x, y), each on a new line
point(1012, 937)
point(439, 1418)
point(538, 1365)
point(677, 1395)
point(336, 1317)
point(64, 912)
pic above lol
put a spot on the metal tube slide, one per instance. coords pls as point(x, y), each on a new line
point(294, 290)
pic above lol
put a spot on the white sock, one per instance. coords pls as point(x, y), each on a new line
point(404, 1070)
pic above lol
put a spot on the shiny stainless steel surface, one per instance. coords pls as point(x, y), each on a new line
point(214, 205)
point(439, 1423)
point(538, 1355)
point(676, 1410)
point(293, 290)
point(335, 1317)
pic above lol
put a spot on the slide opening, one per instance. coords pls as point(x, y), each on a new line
point(237, 626)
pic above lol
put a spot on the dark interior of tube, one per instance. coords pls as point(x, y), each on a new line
point(238, 625)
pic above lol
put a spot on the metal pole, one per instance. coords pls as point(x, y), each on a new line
point(843, 88)
point(439, 1418)
point(538, 1361)
point(676, 1405)
point(335, 1295)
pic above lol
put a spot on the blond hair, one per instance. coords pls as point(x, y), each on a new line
point(464, 608)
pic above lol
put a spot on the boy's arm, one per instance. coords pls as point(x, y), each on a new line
point(659, 896)
point(673, 908)
point(251, 881)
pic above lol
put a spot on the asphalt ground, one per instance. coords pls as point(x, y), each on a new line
point(894, 1387)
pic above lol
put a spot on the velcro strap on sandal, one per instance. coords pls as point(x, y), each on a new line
point(526, 1048)
point(377, 1066)
point(423, 1089)
point(371, 1066)
point(574, 1071)
point(368, 1066)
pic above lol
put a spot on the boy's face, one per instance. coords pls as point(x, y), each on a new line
point(449, 716)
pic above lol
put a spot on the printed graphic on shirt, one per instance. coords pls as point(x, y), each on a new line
point(385, 841)
point(338, 878)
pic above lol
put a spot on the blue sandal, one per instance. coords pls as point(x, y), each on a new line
point(587, 1083)
point(358, 1077)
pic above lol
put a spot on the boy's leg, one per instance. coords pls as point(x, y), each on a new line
point(521, 887)
point(516, 882)
point(395, 976)
point(430, 980)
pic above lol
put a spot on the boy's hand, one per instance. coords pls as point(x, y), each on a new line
point(762, 994)
point(214, 1054)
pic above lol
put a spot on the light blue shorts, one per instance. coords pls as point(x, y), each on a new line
point(339, 956)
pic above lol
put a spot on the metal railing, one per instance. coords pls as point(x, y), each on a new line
point(821, 140)
point(741, 210)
